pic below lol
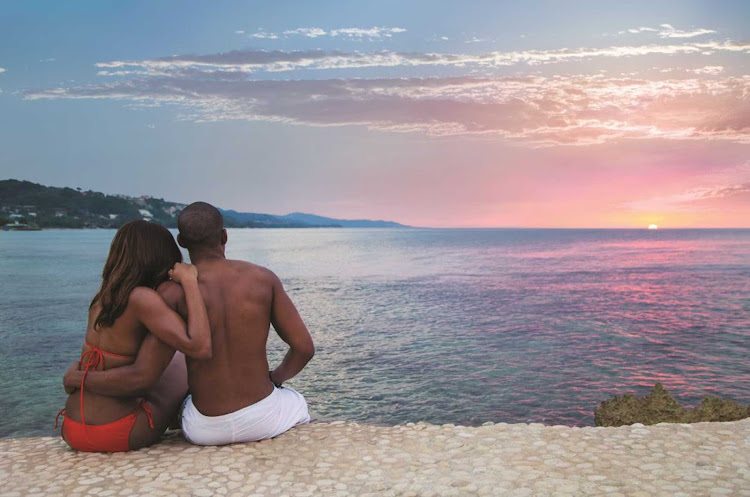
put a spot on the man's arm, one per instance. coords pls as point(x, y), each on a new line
point(290, 328)
point(134, 380)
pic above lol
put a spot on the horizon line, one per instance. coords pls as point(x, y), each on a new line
point(402, 223)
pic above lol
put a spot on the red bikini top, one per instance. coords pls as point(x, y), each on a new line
point(93, 358)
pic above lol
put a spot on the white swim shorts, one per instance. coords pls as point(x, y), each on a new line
point(283, 409)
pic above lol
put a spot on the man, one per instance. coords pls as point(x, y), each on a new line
point(233, 396)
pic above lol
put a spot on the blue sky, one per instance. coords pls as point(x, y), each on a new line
point(431, 113)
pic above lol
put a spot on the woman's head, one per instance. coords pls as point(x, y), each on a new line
point(141, 254)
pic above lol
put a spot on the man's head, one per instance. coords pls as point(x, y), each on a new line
point(201, 226)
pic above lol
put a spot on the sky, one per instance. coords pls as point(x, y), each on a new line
point(592, 114)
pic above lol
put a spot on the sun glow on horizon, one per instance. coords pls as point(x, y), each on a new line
point(653, 226)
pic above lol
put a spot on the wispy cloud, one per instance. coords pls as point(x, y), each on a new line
point(261, 35)
point(691, 200)
point(728, 186)
point(276, 61)
point(308, 32)
point(371, 33)
point(2, 70)
point(696, 199)
point(357, 34)
point(641, 29)
point(669, 31)
point(708, 70)
point(573, 110)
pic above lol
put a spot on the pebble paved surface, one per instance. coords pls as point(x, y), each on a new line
point(341, 459)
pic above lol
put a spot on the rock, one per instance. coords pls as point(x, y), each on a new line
point(716, 409)
point(660, 407)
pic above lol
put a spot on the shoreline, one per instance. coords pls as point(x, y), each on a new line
point(417, 459)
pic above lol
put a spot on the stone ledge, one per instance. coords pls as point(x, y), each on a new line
point(341, 459)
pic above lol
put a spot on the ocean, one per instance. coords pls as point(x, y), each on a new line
point(455, 326)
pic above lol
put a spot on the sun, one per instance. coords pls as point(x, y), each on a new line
point(653, 226)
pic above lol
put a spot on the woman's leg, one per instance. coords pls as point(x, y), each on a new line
point(164, 400)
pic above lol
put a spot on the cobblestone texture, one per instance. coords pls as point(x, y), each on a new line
point(342, 459)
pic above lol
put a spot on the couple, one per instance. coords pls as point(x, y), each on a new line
point(133, 377)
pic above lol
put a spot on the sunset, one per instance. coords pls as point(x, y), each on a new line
point(359, 248)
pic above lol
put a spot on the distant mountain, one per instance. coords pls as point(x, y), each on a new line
point(312, 219)
point(52, 207)
point(255, 220)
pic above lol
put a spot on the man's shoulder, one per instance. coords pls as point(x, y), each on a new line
point(250, 268)
point(253, 275)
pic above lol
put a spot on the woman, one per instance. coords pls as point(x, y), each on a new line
point(126, 308)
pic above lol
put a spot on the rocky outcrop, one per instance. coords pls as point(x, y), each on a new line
point(660, 407)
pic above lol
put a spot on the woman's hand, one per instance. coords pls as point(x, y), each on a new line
point(72, 378)
point(182, 272)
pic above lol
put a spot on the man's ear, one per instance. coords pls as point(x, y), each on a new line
point(180, 241)
point(224, 236)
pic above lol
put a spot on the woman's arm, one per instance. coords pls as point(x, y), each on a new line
point(133, 380)
point(193, 339)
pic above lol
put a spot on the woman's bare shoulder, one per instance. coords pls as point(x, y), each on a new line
point(143, 296)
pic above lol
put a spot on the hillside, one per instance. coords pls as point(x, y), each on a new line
point(53, 207)
point(301, 217)
point(256, 220)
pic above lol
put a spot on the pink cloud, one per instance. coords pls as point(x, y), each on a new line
point(539, 111)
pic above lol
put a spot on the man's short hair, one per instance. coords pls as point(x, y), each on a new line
point(200, 225)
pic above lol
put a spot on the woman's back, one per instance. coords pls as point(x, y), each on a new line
point(106, 348)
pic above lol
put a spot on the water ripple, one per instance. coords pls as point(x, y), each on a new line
point(447, 326)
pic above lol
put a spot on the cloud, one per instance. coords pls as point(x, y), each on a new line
point(700, 198)
point(263, 35)
point(2, 70)
point(308, 32)
point(253, 61)
point(727, 187)
point(371, 33)
point(637, 30)
point(560, 110)
point(668, 31)
point(356, 34)
point(708, 70)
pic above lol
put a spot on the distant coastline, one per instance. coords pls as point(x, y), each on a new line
point(48, 207)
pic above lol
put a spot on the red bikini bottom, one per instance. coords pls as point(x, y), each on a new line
point(110, 437)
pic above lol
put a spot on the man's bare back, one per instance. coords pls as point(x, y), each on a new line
point(242, 300)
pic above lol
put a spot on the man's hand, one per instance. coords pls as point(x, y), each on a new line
point(183, 271)
point(270, 375)
point(72, 378)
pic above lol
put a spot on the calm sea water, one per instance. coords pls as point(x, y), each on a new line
point(447, 326)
